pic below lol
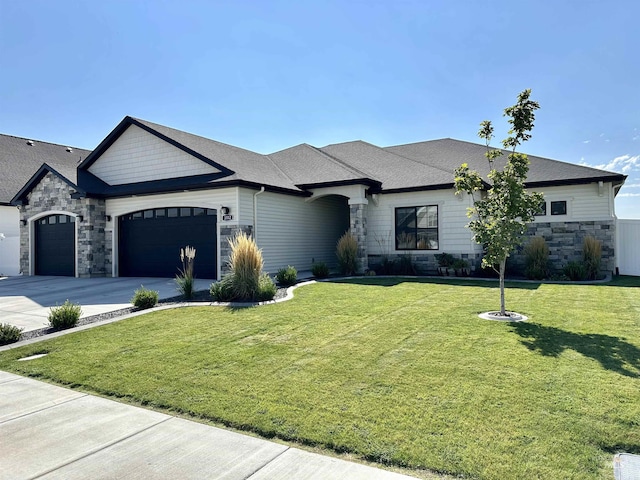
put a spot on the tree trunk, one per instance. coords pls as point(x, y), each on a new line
point(503, 263)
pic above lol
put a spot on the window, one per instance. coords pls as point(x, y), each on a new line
point(417, 228)
point(559, 208)
point(543, 209)
point(148, 214)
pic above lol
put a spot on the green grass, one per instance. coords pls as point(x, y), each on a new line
point(401, 372)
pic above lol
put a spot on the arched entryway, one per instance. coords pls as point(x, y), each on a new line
point(55, 250)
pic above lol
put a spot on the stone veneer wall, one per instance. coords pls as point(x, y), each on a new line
point(226, 234)
point(358, 228)
point(426, 263)
point(565, 240)
point(53, 194)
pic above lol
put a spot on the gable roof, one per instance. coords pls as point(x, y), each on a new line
point(20, 160)
point(448, 154)
point(236, 165)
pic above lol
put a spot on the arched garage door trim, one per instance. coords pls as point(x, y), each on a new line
point(149, 241)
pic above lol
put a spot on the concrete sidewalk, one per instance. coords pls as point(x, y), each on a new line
point(55, 433)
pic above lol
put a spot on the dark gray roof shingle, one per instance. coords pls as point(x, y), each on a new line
point(449, 154)
point(19, 161)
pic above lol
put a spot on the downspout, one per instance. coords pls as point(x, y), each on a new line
point(255, 213)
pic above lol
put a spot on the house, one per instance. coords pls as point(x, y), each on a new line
point(20, 158)
point(147, 190)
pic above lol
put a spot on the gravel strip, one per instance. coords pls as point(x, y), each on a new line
point(199, 296)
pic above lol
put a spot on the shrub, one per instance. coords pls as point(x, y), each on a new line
point(575, 271)
point(65, 315)
point(347, 253)
point(461, 267)
point(144, 298)
point(536, 262)
point(591, 256)
point(266, 288)
point(9, 334)
point(222, 291)
point(387, 266)
point(444, 259)
point(185, 281)
point(320, 270)
point(246, 266)
point(405, 265)
point(287, 276)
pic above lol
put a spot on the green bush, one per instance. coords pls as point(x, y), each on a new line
point(444, 259)
point(591, 256)
point(287, 276)
point(9, 334)
point(575, 271)
point(266, 288)
point(144, 298)
point(65, 315)
point(347, 253)
point(406, 266)
point(387, 266)
point(185, 280)
point(320, 270)
point(222, 291)
point(536, 259)
point(461, 267)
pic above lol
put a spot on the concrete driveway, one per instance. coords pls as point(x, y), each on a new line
point(25, 301)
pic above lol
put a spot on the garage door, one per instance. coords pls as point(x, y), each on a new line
point(55, 250)
point(150, 241)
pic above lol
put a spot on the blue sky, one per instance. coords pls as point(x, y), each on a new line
point(266, 75)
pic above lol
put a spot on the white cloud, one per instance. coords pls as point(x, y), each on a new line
point(587, 141)
point(628, 195)
point(623, 163)
point(632, 185)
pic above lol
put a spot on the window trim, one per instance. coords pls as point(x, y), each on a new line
point(416, 228)
point(558, 202)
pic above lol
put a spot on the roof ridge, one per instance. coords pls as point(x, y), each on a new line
point(273, 162)
point(340, 161)
point(407, 158)
point(44, 141)
point(141, 120)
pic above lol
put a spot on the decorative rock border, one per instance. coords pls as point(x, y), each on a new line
point(510, 317)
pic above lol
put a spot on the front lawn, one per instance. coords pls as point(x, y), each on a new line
point(397, 371)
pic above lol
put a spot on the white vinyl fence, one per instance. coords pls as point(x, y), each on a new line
point(628, 256)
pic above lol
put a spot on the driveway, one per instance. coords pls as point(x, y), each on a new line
point(25, 301)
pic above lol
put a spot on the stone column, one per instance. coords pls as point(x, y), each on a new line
point(358, 228)
point(227, 232)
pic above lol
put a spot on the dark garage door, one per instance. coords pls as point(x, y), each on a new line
point(150, 241)
point(55, 250)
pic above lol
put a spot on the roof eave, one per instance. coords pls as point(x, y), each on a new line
point(126, 123)
point(20, 197)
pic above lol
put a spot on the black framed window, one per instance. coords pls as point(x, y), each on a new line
point(417, 228)
point(559, 208)
point(542, 210)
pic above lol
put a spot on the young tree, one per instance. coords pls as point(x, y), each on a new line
point(499, 218)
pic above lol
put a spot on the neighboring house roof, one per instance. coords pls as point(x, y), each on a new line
point(21, 158)
point(449, 154)
point(412, 167)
